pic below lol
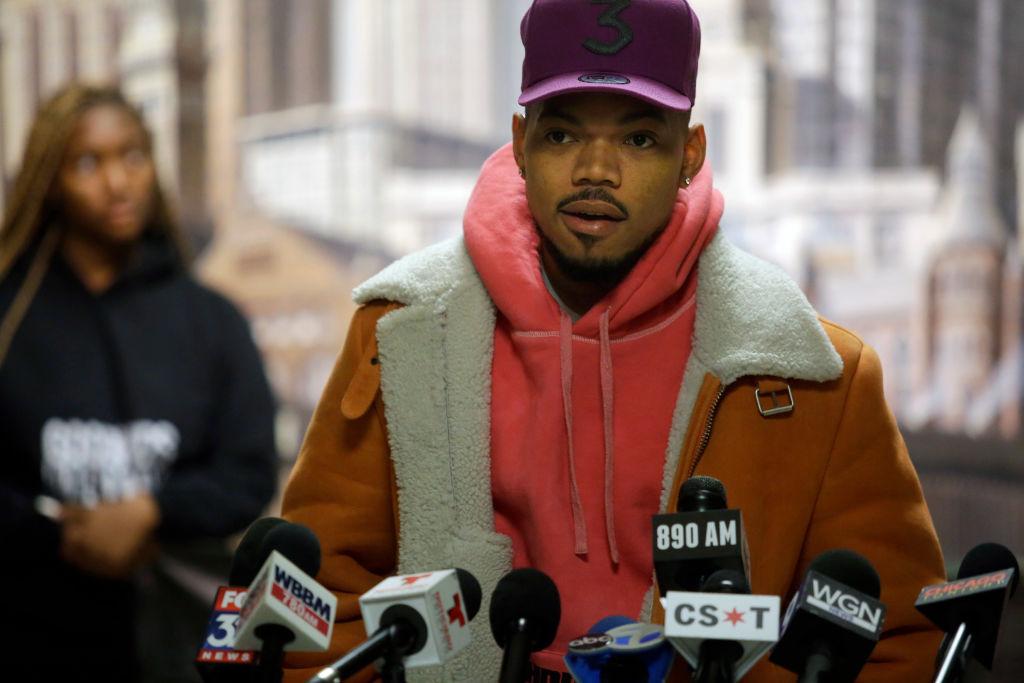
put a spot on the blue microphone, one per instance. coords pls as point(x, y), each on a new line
point(620, 650)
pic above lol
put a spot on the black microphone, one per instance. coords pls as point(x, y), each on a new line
point(970, 608)
point(717, 658)
point(700, 538)
point(251, 553)
point(525, 611)
point(217, 660)
point(410, 620)
point(834, 620)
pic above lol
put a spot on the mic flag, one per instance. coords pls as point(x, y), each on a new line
point(834, 621)
point(750, 620)
point(283, 594)
point(987, 578)
point(620, 653)
point(437, 599)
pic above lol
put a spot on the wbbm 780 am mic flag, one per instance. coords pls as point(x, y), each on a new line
point(286, 609)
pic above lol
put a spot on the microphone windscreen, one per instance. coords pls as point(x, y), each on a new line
point(699, 494)
point(471, 592)
point(849, 568)
point(526, 594)
point(297, 543)
point(248, 556)
point(987, 558)
point(726, 581)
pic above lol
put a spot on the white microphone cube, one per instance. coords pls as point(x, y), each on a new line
point(284, 594)
point(750, 620)
point(437, 598)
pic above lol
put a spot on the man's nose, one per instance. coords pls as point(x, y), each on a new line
point(597, 164)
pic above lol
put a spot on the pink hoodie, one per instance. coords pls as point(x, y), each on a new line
point(580, 413)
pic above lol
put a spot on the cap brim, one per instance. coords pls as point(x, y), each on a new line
point(643, 88)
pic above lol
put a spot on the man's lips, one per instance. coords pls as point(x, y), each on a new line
point(594, 208)
point(592, 218)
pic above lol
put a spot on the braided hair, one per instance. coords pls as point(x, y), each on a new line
point(29, 219)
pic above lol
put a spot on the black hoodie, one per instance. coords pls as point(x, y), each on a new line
point(156, 385)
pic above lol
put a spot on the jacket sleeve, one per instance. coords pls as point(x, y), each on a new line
point(871, 502)
point(222, 492)
point(342, 487)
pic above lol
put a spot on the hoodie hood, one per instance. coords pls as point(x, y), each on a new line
point(506, 255)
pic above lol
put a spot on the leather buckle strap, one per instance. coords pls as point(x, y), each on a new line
point(768, 395)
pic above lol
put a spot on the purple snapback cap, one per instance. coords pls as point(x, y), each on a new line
point(644, 48)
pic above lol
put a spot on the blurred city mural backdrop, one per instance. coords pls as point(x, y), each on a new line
point(872, 148)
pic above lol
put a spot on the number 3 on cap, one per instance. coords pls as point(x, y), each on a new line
point(610, 18)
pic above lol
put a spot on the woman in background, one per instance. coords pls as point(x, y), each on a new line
point(133, 406)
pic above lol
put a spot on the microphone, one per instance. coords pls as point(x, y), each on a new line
point(834, 621)
point(620, 650)
point(412, 621)
point(970, 608)
point(286, 609)
point(723, 630)
point(525, 611)
point(700, 538)
point(217, 660)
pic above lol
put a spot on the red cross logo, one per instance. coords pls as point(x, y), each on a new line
point(410, 580)
point(456, 613)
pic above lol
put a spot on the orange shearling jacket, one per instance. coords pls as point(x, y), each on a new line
point(394, 476)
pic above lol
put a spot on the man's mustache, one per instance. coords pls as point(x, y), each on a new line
point(594, 194)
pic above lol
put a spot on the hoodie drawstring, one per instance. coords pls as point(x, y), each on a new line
point(565, 348)
point(607, 405)
point(607, 394)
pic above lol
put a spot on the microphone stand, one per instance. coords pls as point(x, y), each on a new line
point(951, 670)
point(818, 664)
point(392, 669)
point(717, 661)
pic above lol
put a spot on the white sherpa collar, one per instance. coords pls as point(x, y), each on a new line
point(752, 319)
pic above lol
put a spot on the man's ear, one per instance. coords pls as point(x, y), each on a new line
point(693, 154)
point(519, 139)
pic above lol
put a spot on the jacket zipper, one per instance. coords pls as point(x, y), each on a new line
point(705, 436)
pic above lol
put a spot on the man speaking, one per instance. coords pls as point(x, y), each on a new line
point(532, 392)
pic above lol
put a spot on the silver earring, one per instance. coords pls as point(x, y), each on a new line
point(687, 180)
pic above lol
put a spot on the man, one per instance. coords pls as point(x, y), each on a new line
point(531, 393)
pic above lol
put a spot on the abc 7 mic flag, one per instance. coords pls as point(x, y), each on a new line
point(437, 599)
point(750, 620)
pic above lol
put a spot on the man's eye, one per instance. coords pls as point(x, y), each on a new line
point(86, 163)
point(558, 137)
point(640, 140)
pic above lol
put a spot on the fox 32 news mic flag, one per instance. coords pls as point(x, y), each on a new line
point(217, 651)
point(702, 537)
point(752, 621)
point(284, 595)
point(620, 650)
